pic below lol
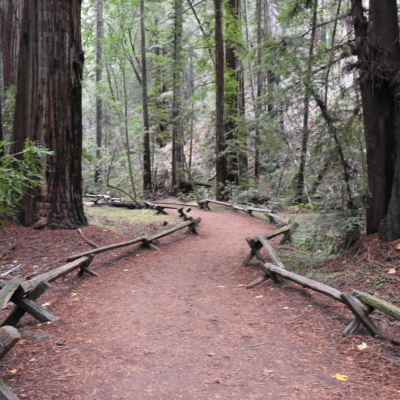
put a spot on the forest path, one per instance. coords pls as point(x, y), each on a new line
point(179, 324)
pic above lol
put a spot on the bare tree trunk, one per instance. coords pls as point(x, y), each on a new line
point(220, 163)
point(177, 129)
point(146, 125)
point(10, 34)
point(306, 133)
point(49, 110)
point(257, 109)
point(2, 18)
point(99, 77)
point(231, 94)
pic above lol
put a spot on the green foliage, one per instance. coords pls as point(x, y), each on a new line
point(17, 173)
point(8, 111)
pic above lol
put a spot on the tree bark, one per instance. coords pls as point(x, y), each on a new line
point(177, 128)
point(10, 34)
point(99, 77)
point(378, 51)
point(146, 125)
point(232, 92)
point(220, 163)
point(306, 133)
point(49, 110)
point(259, 85)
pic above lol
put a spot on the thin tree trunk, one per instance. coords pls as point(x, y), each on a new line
point(49, 110)
point(2, 18)
point(257, 108)
point(220, 163)
point(99, 78)
point(177, 129)
point(128, 147)
point(306, 133)
point(146, 125)
point(231, 95)
point(11, 35)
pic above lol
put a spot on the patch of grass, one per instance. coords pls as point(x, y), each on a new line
point(132, 222)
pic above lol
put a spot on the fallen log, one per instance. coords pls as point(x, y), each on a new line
point(87, 240)
point(126, 204)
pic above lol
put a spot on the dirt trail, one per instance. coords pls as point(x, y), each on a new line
point(179, 324)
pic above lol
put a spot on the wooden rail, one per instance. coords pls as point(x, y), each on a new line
point(359, 303)
point(191, 224)
point(24, 294)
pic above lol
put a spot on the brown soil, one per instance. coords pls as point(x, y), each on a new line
point(180, 324)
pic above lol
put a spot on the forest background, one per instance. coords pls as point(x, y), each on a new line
point(262, 98)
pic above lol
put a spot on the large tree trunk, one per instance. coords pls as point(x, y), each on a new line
point(49, 110)
point(378, 51)
point(220, 163)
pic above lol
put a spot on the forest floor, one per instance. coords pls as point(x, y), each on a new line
point(180, 323)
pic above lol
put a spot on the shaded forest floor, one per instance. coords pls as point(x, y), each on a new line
point(180, 324)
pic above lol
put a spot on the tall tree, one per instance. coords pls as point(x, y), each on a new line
point(99, 77)
point(220, 149)
point(11, 15)
point(306, 113)
point(146, 125)
point(378, 51)
point(177, 121)
point(49, 110)
point(232, 88)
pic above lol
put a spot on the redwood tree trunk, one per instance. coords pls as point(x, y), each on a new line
point(231, 95)
point(378, 51)
point(177, 121)
point(145, 106)
point(49, 110)
point(11, 30)
point(220, 163)
point(99, 78)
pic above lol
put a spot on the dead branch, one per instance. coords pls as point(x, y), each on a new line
point(96, 246)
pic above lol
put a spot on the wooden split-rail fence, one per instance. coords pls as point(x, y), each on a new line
point(24, 294)
point(274, 218)
point(359, 303)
